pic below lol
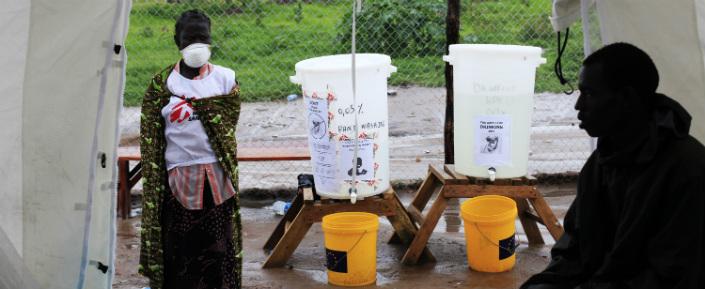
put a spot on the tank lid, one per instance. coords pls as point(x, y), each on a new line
point(531, 54)
point(341, 62)
point(495, 48)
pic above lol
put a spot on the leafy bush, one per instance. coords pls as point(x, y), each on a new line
point(398, 28)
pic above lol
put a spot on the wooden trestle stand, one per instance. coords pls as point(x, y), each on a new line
point(449, 184)
point(304, 212)
point(444, 181)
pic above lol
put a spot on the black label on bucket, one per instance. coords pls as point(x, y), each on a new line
point(507, 247)
point(337, 261)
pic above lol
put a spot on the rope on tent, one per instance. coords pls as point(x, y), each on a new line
point(558, 66)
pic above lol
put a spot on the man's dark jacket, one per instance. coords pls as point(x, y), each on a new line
point(638, 220)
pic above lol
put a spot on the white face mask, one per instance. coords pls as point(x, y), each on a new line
point(196, 55)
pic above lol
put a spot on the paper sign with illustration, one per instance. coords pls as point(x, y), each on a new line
point(317, 117)
point(493, 140)
point(363, 165)
point(322, 149)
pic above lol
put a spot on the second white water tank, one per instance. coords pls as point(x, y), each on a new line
point(493, 102)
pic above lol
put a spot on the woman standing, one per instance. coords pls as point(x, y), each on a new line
point(191, 221)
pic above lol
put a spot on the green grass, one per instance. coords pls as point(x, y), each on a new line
point(262, 52)
point(262, 42)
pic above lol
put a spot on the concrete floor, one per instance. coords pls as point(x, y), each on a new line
point(306, 267)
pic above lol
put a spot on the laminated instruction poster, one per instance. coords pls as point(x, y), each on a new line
point(493, 141)
point(363, 165)
point(322, 148)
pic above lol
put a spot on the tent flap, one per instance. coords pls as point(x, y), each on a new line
point(681, 69)
point(14, 20)
point(565, 13)
point(680, 24)
point(61, 100)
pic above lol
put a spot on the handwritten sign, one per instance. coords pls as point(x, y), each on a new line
point(350, 110)
point(323, 157)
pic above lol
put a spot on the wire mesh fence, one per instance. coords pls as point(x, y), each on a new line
point(263, 39)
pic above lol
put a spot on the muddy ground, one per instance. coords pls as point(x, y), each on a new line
point(306, 268)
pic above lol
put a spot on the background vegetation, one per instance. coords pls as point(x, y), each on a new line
point(263, 39)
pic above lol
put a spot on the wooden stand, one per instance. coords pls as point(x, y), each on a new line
point(449, 184)
point(304, 212)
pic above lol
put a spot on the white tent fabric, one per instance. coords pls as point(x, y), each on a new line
point(61, 88)
point(14, 20)
point(671, 32)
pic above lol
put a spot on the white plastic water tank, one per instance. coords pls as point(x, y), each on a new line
point(328, 99)
point(493, 102)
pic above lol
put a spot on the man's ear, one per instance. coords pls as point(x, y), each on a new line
point(633, 101)
point(631, 98)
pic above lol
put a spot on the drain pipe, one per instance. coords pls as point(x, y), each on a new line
point(357, 6)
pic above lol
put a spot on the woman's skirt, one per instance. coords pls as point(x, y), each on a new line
point(199, 251)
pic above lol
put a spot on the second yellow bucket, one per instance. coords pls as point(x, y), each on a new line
point(490, 232)
point(351, 248)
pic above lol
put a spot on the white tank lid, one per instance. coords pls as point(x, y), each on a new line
point(343, 63)
point(524, 52)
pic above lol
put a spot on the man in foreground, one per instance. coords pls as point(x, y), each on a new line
point(638, 220)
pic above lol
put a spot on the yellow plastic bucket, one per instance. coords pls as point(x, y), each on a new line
point(490, 232)
point(351, 248)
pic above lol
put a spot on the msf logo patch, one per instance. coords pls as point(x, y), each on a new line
point(181, 111)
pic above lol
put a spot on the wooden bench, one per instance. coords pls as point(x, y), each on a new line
point(128, 178)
